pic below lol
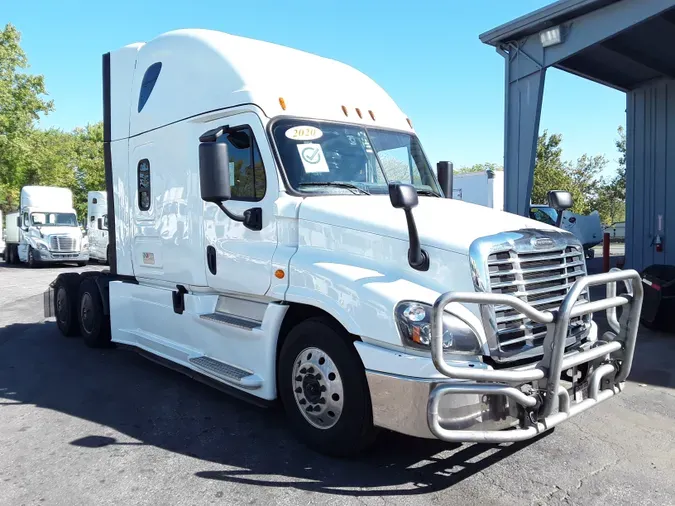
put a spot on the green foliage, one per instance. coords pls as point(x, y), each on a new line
point(30, 156)
point(479, 167)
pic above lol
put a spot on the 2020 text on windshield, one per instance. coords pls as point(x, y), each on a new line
point(53, 219)
point(338, 158)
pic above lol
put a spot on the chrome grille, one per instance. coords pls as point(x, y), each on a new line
point(62, 243)
point(541, 278)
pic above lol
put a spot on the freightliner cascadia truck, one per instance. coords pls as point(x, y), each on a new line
point(276, 230)
point(45, 229)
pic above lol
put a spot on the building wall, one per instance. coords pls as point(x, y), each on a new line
point(650, 174)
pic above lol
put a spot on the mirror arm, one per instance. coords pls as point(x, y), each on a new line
point(252, 218)
point(417, 257)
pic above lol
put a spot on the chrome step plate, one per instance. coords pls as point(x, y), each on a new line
point(227, 372)
point(231, 320)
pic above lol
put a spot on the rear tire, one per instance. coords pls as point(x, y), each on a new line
point(65, 307)
point(94, 324)
point(81, 264)
point(322, 385)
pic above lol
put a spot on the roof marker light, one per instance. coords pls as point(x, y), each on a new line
point(409, 122)
point(358, 111)
point(282, 103)
point(344, 110)
point(372, 115)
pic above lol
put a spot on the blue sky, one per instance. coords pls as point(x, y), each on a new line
point(426, 54)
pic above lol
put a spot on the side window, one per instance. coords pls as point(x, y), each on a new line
point(105, 222)
point(92, 219)
point(26, 221)
point(144, 185)
point(148, 83)
point(247, 173)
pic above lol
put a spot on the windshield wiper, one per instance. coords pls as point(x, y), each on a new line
point(424, 191)
point(349, 186)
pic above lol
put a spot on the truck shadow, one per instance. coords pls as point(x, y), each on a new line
point(147, 404)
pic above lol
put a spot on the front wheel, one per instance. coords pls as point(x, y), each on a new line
point(323, 387)
point(31, 258)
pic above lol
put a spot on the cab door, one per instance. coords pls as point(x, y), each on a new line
point(239, 260)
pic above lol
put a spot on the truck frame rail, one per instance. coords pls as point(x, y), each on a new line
point(536, 390)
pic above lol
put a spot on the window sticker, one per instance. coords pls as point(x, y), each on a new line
point(312, 158)
point(231, 171)
point(304, 133)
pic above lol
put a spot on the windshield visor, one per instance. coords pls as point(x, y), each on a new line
point(323, 157)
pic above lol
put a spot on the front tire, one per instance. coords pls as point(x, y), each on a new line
point(323, 387)
point(94, 324)
point(31, 258)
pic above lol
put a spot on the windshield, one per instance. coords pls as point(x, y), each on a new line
point(340, 158)
point(546, 215)
point(53, 219)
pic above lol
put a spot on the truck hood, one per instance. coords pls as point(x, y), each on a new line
point(55, 230)
point(446, 224)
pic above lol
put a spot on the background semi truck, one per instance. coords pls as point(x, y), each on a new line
point(277, 231)
point(97, 226)
point(486, 188)
point(45, 229)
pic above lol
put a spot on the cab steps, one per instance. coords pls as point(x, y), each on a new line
point(229, 373)
point(234, 321)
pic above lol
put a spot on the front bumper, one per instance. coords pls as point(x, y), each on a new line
point(41, 255)
point(471, 404)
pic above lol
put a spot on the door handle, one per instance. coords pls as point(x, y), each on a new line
point(211, 259)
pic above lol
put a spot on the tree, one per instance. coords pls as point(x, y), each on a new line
point(479, 167)
point(21, 103)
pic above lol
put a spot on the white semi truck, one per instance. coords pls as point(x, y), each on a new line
point(45, 229)
point(276, 230)
point(2, 236)
point(97, 226)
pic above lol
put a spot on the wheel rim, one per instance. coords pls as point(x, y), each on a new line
point(317, 387)
point(30, 256)
point(87, 312)
point(61, 305)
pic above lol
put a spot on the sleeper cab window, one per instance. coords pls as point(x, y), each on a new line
point(144, 185)
point(148, 83)
point(247, 173)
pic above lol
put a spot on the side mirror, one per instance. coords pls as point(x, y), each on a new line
point(560, 200)
point(99, 223)
point(18, 222)
point(214, 172)
point(445, 173)
point(404, 196)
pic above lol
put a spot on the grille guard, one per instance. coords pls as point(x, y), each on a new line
point(620, 346)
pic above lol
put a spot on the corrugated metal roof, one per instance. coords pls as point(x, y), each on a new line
point(551, 15)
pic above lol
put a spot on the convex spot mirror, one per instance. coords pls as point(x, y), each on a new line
point(560, 200)
point(403, 196)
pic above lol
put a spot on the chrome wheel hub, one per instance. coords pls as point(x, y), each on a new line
point(317, 387)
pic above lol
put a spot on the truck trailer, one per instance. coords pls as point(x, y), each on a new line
point(45, 229)
point(2, 236)
point(276, 230)
point(97, 226)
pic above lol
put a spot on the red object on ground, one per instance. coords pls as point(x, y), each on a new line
point(605, 252)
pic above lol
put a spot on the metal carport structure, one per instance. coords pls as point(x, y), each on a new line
point(624, 44)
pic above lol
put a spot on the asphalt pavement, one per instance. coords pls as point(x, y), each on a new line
point(83, 427)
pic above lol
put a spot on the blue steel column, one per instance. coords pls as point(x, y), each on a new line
point(522, 112)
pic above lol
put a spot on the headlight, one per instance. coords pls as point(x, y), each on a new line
point(41, 245)
point(414, 324)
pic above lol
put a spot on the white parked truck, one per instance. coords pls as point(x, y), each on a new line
point(97, 226)
point(276, 230)
point(45, 229)
point(485, 188)
point(2, 236)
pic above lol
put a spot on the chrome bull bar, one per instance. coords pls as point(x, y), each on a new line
point(619, 345)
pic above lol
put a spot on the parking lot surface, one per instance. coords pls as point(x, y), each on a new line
point(82, 427)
